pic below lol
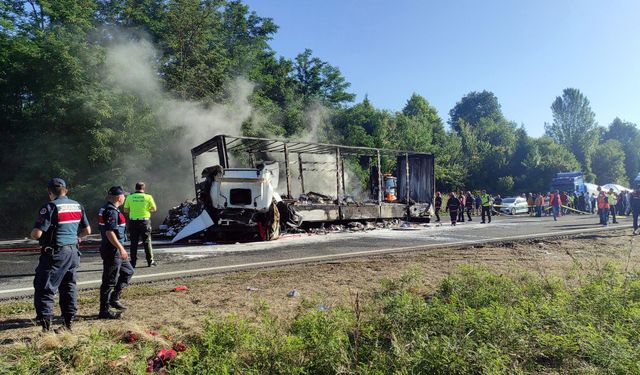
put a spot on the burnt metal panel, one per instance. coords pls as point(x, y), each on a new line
point(420, 210)
point(421, 177)
point(392, 211)
point(318, 212)
point(366, 212)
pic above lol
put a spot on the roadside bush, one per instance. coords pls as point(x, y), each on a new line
point(474, 322)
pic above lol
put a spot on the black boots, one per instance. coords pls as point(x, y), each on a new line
point(114, 301)
point(106, 314)
point(45, 322)
point(108, 298)
point(68, 321)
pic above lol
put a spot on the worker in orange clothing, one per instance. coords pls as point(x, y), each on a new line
point(603, 207)
point(539, 203)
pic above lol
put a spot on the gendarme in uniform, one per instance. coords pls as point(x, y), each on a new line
point(139, 206)
point(60, 224)
point(116, 269)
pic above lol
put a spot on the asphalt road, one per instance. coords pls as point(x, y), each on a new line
point(17, 267)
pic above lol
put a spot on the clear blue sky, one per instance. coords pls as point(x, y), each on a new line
point(526, 52)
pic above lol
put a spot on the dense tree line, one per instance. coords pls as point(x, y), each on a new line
point(65, 111)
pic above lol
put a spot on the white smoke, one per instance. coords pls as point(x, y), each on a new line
point(317, 117)
point(132, 66)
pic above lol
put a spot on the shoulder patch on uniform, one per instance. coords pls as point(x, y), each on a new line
point(43, 211)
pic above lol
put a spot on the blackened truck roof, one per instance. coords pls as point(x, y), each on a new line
point(260, 145)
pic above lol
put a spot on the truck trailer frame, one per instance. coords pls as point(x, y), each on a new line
point(414, 171)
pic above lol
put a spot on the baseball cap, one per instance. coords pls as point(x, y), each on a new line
point(117, 190)
point(56, 182)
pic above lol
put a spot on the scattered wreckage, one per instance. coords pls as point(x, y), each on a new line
point(256, 203)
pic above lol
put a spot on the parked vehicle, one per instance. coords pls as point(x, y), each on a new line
point(514, 205)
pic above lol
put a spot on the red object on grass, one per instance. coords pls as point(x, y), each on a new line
point(130, 337)
point(179, 346)
point(180, 288)
point(152, 332)
point(160, 360)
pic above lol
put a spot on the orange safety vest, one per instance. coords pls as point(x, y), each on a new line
point(602, 202)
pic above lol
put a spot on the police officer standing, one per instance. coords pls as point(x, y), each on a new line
point(612, 197)
point(139, 206)
point(486, 206)
point(60, 225)
point(116, 269)
point(635, 207)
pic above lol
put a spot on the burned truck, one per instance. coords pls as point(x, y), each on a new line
point(246, 186)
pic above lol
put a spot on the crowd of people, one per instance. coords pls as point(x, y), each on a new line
point(608, 205)
point(460, 203)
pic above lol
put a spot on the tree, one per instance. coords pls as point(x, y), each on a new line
point(543, 160)
point(473, 107)
point(452, 168)
point(608, 163)
point(418, 107)
point(363, 125)
point(628, 135)
point(574, 125)
point(318, 80)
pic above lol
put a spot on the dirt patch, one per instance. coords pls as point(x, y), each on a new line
point(157, 307)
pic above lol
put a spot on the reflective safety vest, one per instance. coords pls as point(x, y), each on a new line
point(602, 201)
point(486, 200)
point(613, 200)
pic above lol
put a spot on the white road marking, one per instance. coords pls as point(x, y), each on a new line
point(334, 256)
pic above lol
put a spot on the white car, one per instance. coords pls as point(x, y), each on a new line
point(514, 205)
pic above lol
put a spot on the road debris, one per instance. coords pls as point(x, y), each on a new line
point(179, 216)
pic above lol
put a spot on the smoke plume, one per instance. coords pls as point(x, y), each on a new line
point(132, 66)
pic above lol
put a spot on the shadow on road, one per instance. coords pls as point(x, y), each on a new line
point(17, 323)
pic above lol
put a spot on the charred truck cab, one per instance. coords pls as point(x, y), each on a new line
point(246, 201)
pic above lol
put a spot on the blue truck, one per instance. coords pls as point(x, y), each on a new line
point(569, 182)
point(572, 182)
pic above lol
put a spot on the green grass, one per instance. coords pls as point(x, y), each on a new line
point(474, 322)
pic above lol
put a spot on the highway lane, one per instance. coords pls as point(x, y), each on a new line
point(16, 268)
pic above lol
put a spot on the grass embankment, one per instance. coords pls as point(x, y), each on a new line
point(474, 321)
